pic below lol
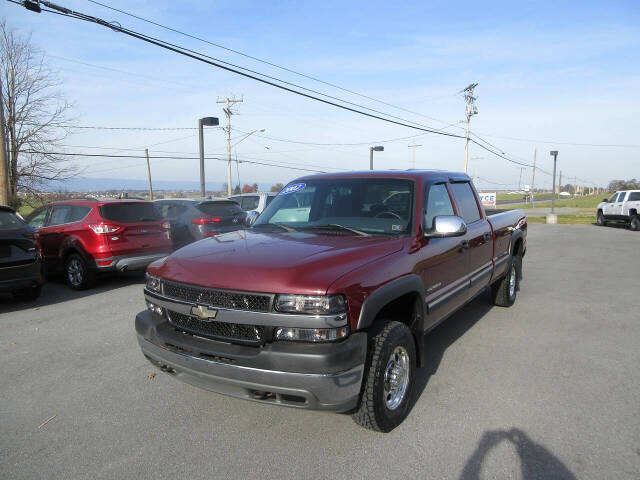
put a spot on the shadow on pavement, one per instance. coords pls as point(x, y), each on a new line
point(536, 462)
point(440, 338)
point(56, 291)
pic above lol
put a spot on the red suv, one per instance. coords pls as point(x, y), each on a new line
point(84, 237)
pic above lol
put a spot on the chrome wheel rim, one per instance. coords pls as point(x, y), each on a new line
point(396, 378)
point(75, 272)
point(512, 281)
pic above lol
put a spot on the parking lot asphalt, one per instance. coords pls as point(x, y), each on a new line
point(547, 389)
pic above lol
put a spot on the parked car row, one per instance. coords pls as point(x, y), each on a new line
point(83, 238)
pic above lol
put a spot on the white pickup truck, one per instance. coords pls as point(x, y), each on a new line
point(623, 206)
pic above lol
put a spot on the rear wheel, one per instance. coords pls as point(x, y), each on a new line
point(600, 219)
point(78, 274)
point(389, 378)
point(504, 291)
point(635, 223)
point(25, 294)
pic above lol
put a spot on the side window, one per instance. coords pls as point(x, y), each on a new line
point(269, 199)
point(438, 203)
point(250, 202)
point(466, 202)
point(634, 197)
point(59, 215)
point(78, 213)
point(36, 220)
point(621, 197)
point(613, 199)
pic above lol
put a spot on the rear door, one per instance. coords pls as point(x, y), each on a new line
point(51, 235)
point(478, 239)
point(140, 228)
point(17, 246)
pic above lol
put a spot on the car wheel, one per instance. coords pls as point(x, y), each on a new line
point(600, 219)
point(79, 276)
point(635, 223)
point(389, 378)
point(504, 291)
point(25, 294)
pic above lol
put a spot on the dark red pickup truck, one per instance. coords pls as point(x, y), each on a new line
point(323, 302)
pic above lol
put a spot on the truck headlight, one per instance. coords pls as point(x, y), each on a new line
point(153, 283)
point(312, 304)
point(311, 334)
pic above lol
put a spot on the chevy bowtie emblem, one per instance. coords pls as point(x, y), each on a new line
point(203, 312)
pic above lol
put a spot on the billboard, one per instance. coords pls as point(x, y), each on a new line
point(488, 199)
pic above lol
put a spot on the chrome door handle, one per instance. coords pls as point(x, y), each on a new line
point(464, 245)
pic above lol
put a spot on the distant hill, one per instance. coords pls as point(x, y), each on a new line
point(79, 184)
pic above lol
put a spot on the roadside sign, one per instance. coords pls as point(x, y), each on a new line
point(527, 188)
point(488, 199)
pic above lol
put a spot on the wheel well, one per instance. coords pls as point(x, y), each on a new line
point(406, 309)
point(632, 212)
point(599, 210)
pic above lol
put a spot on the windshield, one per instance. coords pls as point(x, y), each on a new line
point(380, 206)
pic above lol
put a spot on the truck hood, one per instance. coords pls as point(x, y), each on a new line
point(295, 262)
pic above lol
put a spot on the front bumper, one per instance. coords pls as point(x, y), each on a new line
point(312, 376)
point(129, 262)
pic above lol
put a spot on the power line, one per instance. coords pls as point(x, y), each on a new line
point(266, 62)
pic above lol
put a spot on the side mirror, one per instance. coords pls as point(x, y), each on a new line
point(251, 218)
point(447, 226)
point(606, 200)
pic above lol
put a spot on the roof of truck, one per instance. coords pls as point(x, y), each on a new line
point(408, 174)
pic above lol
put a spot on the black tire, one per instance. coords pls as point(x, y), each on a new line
point(505, 290)
point(374, 412)
point(77, 273)
point(27, 294)
point(600, 220)
point(635, 223)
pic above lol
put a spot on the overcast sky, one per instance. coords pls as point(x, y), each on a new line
point(547, 71)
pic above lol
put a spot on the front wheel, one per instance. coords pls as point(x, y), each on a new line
point(389, 378)
point(600, 219)
point(635, 223)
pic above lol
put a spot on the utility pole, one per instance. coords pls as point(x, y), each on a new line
point(146, 151)
point(414, 146)
point(470, 110)
point(4, 158)
point(533, 177)
point(520, 181)
point(559, 184)
point(227, 110)
point(554, 153)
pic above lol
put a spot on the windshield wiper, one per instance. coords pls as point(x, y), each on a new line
point(335, 226)
point(284, 227)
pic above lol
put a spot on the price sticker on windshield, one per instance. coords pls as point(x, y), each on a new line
point(296, 187)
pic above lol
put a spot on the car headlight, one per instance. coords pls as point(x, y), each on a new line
point(311, 304)
point(153, 283)
point(311, 334)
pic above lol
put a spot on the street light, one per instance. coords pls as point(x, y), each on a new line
point(554, 154)
point(209, 122)
point(377, 148)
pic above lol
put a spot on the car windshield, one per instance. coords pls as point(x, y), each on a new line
point(221, 209)
point(377, 206)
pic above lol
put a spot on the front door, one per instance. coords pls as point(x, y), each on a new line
point(616, 208)
point(608, 207)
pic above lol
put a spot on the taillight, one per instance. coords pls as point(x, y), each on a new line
point(101, 228)
point(204, 220)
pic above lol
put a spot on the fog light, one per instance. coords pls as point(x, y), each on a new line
point(312, 334)
point(155, 308)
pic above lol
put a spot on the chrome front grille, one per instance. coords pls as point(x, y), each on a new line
point(217, 298)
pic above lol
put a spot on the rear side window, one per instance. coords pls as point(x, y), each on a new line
point(466, 201)
point(129, 212)
point(438, 203)
point(269, 199)
point(220, 209)
point(78, 213)
point(171, 210)
point(9, 221)
point(59, 215)
point(250, 203)
point(634, 196)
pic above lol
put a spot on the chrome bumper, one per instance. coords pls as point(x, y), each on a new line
point(335, 391)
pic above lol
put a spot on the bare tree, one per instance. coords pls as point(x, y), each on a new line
point(36, 115)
